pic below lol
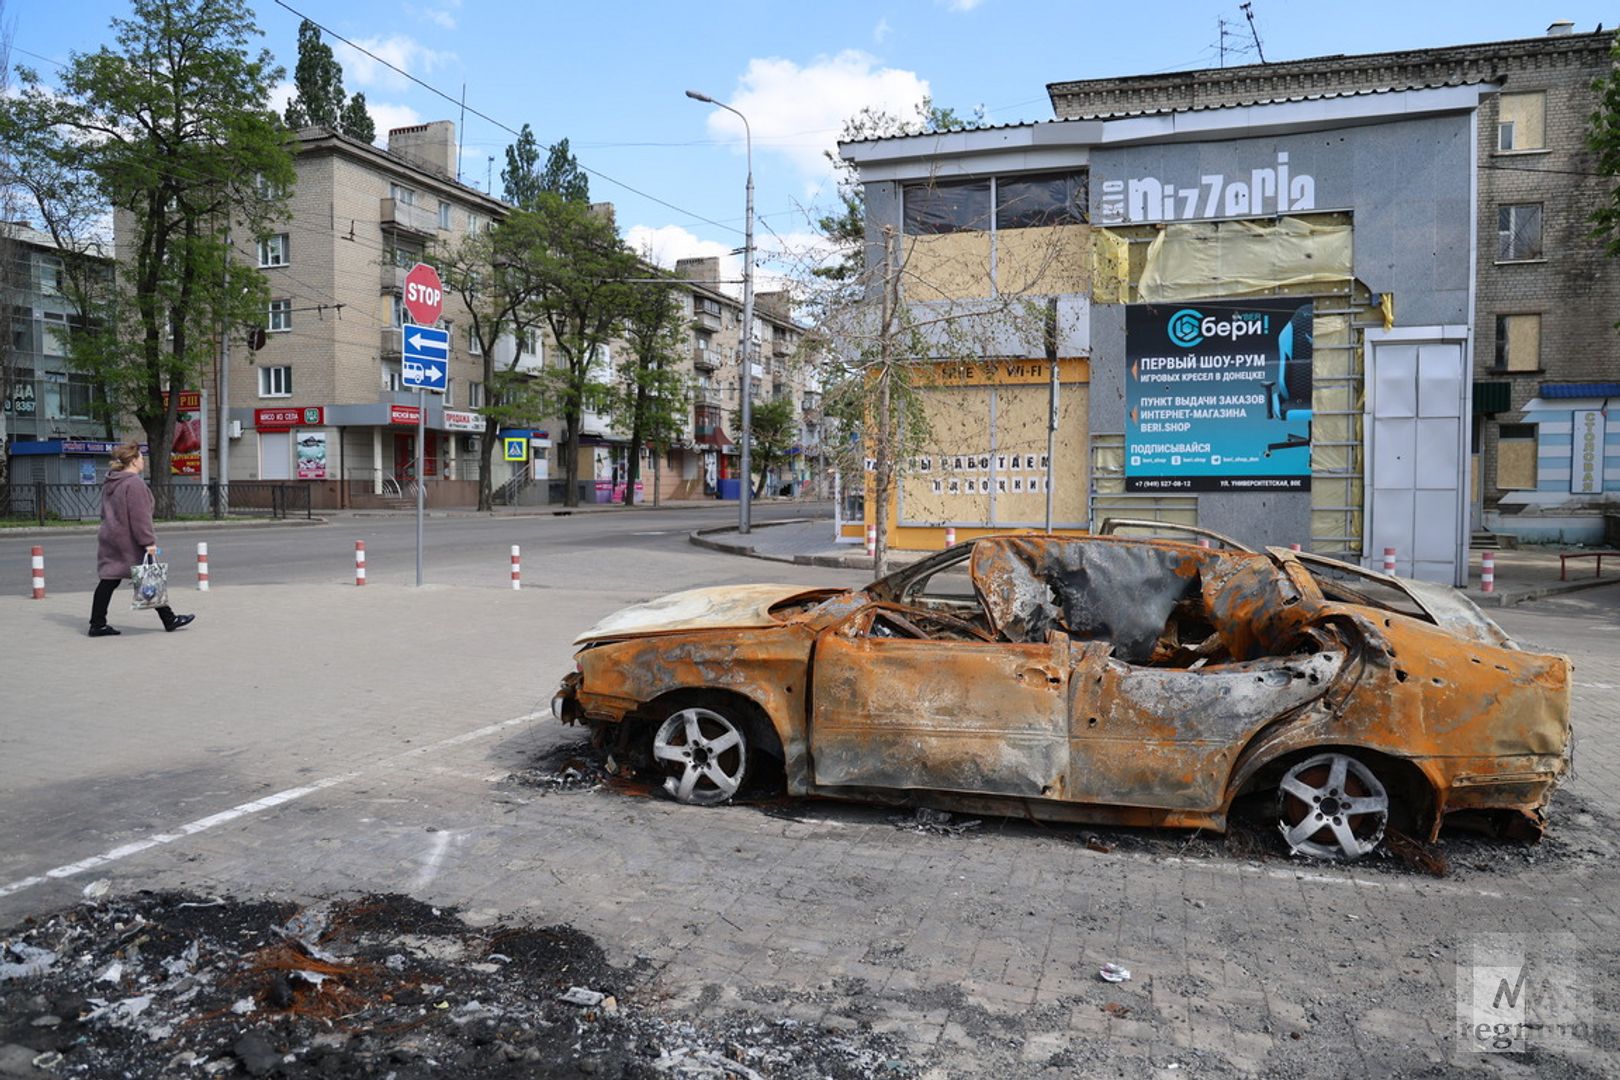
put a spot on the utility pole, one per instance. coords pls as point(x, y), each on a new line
point(224, 389)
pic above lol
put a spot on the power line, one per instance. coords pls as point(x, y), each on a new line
point(504, 127)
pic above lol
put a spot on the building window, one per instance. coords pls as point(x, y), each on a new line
point(1518, 232)
point(1521, 121)
point(280, 316)
point(273, 251)
point(50, 274)
point(1516, 456)
point(54, 340)
point(1518, 342)
point(474, 222)
point(954, 206)
point(390, 376)
point(532, 345)
point(275, 382)
point(396, 312)
point(401, 194)
point(444, 214)
point(474, 346)
point(475, 395)
point(449, 401)
point(1026, 202)
point(405, 255)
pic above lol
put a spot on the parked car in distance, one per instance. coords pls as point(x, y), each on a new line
point(1095, 678)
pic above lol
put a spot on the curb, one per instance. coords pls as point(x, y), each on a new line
point(1538, 592)
point(168, 526)
point(700, 537)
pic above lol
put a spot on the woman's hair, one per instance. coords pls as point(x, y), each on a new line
point(124, 454)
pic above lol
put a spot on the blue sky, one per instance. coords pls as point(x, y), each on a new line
point(610, 76)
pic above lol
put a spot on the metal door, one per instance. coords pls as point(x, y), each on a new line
point(1417, 422)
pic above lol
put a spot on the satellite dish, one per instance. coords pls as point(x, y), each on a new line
point(255, 338)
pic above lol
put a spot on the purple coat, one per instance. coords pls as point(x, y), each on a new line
point(126, 524)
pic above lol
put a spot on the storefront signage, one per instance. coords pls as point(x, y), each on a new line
point(1013, 372)
point(22, 400)
point(407, 415)
point(456, 420)
point(294, 416)
point(1260, 192)
point(90, 446)
point(1218, 396)
point(1586, 453)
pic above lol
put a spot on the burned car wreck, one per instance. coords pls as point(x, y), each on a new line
point(1098, 679)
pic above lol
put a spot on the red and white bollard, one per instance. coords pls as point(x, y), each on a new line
point(517, 569)
point(202, 567)
point(37, 557)
point(950, 536)
point(871, 541)
point(1203, 543)
point(359, 562)
point(1487, 571)
point(1293, 547)
point(1389, 560)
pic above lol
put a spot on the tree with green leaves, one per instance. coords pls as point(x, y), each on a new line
point(771, 435)
point(650, 395)
point(563, 176)
point(580, 269)
point(173, 130)
point(520, 180)
point(491, 273)
point(1603, 137)
point(319, 100)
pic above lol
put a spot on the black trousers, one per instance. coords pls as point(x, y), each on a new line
point(104, 592)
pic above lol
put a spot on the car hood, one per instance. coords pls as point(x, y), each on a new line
point(729, 607)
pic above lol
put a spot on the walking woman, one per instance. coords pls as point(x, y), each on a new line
point(126, 536)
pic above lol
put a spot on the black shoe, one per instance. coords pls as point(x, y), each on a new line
point(177, 622)
point(103, 631)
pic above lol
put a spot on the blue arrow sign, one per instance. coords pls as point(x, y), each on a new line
point(425, 360)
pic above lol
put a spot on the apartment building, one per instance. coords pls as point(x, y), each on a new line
point(50, 423)
point(319, 398)
point(1545, 355)
point(705, 460)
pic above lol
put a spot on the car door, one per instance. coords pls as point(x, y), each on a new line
point(951, 715)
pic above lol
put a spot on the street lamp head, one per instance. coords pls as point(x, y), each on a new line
point(698, 96)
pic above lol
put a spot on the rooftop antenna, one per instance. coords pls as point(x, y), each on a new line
point(1248, 12)
point(461, 131)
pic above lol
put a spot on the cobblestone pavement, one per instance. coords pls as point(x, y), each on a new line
point(308, 740)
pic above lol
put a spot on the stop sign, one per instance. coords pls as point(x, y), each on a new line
point(424, 294)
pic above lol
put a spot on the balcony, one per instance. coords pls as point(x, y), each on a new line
point(707, 320)
point(703, 359)
point(781, 346)
point(409, 218)
point(389, 345)
point(393, 279)
point(708, 395)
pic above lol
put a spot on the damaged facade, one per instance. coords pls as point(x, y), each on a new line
point(1351, 216)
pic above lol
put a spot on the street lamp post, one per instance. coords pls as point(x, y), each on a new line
point(745, 489)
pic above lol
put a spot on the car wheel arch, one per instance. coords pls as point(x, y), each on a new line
point(1414, 791)
point(763, 732)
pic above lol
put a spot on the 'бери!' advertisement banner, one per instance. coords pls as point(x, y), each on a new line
point(1218, 396)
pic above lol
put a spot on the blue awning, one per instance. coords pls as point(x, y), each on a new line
point(1580, 390)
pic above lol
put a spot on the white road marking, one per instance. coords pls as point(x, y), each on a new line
point(434, 859)
point(280, 798)
point(660, 532)
point(1595, 685)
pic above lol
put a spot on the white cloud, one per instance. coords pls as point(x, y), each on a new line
point(800, 111)
point(388, 116)
point(443, 18)
point(280, 95)
point(403, 52)
point(962, 5)
point(881, 32)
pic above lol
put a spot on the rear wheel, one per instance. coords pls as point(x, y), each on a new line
point(702, 755)
point(1332, 806)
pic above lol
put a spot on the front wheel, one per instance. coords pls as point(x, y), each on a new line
point(1332, 806)
point(703, 756)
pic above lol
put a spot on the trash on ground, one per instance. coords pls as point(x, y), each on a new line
point(937, 822)
point(1114, 973)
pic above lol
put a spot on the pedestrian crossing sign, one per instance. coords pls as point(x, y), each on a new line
point(517, 447)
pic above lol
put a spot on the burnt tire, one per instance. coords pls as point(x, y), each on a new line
point(702, 755)
point(1332, 806)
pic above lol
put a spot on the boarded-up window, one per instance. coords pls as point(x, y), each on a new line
point(1516, 456)
point(1518, 342)
point(1521, 120)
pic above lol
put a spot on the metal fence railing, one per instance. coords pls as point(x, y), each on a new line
point(45, 503)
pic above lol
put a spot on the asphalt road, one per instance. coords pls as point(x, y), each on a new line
point(557, 551)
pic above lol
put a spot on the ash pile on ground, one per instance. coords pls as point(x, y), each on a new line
point(171, 984)
point(572, 766)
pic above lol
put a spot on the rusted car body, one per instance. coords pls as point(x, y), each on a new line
point(1098, 679)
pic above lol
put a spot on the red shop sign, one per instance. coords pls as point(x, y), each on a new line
point(404, 414)
point(290, 417)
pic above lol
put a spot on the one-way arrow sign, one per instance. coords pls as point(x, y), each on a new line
point(425, 359)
